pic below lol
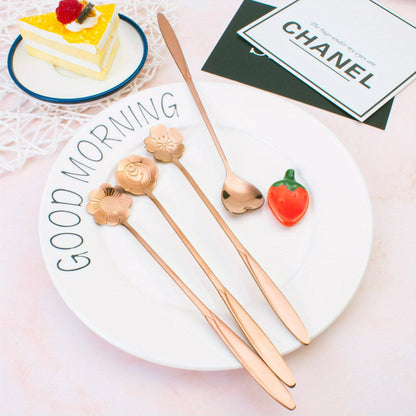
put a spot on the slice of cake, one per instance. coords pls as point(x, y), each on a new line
point(78, 36)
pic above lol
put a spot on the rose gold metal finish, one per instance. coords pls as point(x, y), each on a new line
point(109, 205)
point(165, 143)
point(112, 202)
point(271, 292)
point(252, 331)
point(137, 174)
point(237, 195)
point(263, 375)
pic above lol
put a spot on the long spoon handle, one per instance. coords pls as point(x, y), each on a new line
point(257, 338)
point(271, 292)
point(247, 358)
point(176, 51)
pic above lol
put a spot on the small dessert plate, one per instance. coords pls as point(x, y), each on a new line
point(47, 82)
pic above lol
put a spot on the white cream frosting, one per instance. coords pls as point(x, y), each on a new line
point(88, 23)
point(58, 38)
point(108, 30)
point(70, 58)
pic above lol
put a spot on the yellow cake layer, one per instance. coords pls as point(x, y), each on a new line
point(92, 36)
point(73, 67)
point(72, 50)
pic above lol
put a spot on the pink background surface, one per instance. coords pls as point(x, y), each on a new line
point(364, 364)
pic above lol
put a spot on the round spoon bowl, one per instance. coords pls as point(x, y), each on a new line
point(239, 196)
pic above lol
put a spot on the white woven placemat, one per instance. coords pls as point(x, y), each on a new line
point(29, 127)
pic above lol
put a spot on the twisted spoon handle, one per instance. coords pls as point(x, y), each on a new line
point(247, 358)
point(256, 336)
point(271, 292)
point(176, 51)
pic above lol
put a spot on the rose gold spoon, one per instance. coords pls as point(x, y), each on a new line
point(166, 146)
point(111, 206)
point(237, 195)
point(138, 175)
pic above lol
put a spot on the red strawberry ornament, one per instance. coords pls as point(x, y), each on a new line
point(288, 200)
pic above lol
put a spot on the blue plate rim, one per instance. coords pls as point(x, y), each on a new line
point(86, 98)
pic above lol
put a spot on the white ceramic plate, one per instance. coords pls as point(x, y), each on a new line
point(50, 83)
point(118, 290)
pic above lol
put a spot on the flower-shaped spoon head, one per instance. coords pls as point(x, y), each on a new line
point(109, 205)
point(137, 174)
point(165, 144)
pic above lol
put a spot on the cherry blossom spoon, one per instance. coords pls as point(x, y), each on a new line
point(110, 205)
point(166, 146)
point(138, 175)
point(237, 195)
